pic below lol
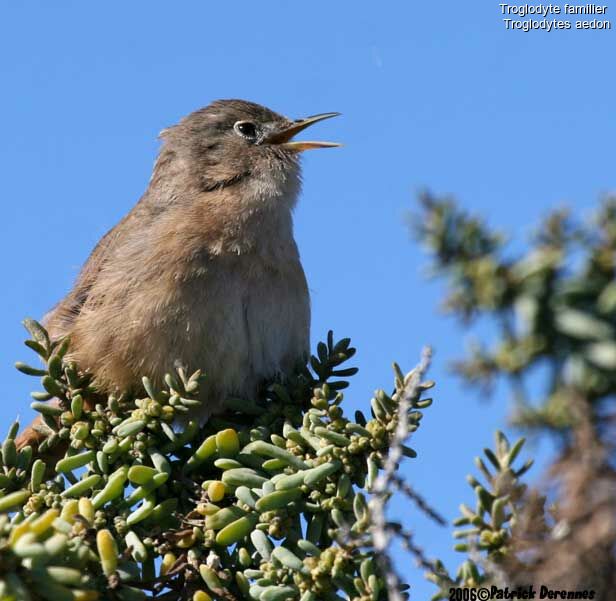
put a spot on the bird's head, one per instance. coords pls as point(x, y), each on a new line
point(233, 141)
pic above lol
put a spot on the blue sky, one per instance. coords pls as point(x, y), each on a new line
point(433, 94)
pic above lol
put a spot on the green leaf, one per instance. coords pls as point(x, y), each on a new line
point(237, 530)
point(583, 326)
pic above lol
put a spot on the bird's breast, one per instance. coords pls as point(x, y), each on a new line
point(246, 320)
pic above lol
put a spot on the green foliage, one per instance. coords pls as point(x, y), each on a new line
point(267, 502)
point(487, 529)
point(554, 306)
point(554, 311)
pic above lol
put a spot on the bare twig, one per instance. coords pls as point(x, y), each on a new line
point(381, 533)
point(421, 503)
point(406, 537)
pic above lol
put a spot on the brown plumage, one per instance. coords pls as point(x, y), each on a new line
point(204, 271)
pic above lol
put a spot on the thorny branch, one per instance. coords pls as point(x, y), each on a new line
point(381, 531)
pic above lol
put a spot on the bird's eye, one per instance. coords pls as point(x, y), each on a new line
point(246, 129)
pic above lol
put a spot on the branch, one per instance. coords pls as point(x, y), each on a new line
point(383, 484)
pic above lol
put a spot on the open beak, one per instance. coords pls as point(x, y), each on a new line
point(283, 136)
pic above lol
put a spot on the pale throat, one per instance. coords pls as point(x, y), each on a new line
point(260, 217)
point(275, 188)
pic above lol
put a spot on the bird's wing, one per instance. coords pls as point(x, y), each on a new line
point(60, 319)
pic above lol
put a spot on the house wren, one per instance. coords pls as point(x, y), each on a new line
point(204, 271)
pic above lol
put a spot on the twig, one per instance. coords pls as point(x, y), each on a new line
point(381, 490)
point(421, 503)
point(407, 541)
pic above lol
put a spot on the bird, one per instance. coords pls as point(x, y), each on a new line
point(204, 271)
